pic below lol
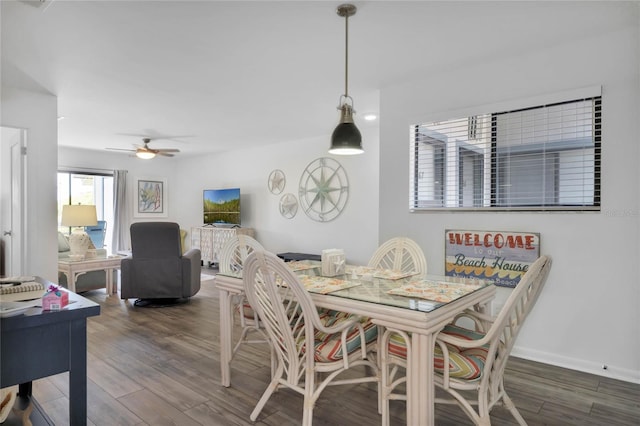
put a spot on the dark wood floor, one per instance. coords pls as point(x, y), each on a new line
point(160, 366)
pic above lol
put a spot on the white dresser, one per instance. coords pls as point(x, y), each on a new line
point(210, 240)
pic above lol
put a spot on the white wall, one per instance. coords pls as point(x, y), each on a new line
point(355, 230)
point(588, 314)
point(37, 113)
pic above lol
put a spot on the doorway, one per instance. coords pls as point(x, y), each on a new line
point(13, 150)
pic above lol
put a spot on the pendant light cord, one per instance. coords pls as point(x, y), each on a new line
point(346, 56)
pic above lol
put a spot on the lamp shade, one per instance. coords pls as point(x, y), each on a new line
point(346, 138)
point(79, 215)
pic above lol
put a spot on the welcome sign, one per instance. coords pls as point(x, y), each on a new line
point(501, 257)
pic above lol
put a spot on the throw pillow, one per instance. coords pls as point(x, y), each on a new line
point(63, 244)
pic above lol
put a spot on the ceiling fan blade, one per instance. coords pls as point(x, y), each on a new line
point(121, 149)
point(145, 148)
point(153, 136)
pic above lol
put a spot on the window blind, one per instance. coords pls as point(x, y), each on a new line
point(544, 157)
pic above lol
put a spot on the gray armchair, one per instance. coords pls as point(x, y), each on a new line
point(157, 270)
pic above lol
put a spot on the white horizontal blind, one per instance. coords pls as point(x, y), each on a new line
point(539, 158)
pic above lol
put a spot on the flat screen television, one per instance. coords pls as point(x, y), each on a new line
point(221, 207)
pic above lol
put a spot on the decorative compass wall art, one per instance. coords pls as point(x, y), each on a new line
point(277, 181)
point(288, 205)
point(323, 189)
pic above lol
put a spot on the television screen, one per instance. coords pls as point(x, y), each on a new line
point(221, 206)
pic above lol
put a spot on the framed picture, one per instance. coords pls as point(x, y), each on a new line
point(150, 197)
point(499, 256)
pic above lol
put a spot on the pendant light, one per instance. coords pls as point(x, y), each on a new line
point(346, 138)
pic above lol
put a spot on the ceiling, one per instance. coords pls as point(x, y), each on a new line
point(210, 76)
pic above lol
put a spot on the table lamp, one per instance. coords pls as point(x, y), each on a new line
point(79, 216)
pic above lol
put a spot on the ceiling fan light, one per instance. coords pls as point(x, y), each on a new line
point(145, 155)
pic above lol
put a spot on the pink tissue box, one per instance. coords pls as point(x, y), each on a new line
point(55, 300)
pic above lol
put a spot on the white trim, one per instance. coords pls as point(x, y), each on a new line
point(590, 367)
point(80, 170)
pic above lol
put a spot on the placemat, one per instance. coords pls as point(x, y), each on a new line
point(300, 265)
point(387, 274)
point(359, 270)
point(390, 274)
point(434, 290)
point(325, 285)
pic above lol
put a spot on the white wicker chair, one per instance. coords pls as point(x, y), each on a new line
point(308, 347)
point(232, 257)
point(400, 254)
point(470, 360)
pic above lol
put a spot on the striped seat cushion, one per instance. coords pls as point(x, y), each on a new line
point(247, 311)
point(463, 363)
point(328, 347)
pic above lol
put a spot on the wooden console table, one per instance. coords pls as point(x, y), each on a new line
point(38, 344)
point(210, 240)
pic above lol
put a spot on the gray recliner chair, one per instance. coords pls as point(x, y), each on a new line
point(157, 272)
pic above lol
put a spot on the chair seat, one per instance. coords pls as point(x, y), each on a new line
point(328, 348)
point(466, 364)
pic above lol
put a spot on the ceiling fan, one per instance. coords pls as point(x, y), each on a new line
point(147, 153)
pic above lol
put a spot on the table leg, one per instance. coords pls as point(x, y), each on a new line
point(24, 389)
point(111, 289)
point(78, 372)
point(71, 280)
point(226, 351)
point(420, 385)
point(74, 279)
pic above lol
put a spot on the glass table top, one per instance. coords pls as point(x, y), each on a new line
point(385, 287)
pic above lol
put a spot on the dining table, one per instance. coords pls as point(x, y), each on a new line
point(417, 305)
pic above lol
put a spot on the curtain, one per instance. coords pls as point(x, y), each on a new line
point(121, 238)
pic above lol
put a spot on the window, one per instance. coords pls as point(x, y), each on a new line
point(87, 188)
point(539, 158)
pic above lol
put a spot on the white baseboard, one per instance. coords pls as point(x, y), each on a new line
point(576, 364)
